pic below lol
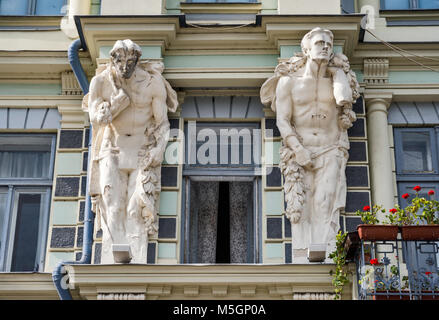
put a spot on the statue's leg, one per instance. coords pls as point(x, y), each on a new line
point(113, 184)
point(301, 230)
point(135, 227)
point(326, 180)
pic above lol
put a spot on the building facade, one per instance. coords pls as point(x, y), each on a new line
point(222, 230)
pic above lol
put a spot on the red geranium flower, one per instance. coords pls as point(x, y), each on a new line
point(405, 196)
point(428, 273)
point(431, 192)
point(393, 210)
point(373, 261)
point(366, 208)
point(417, 188)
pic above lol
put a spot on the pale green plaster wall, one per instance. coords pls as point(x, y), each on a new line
point(273, 202)
point(289, 51)
point(152, 52)
point(403, 77)
point(68, 163)
point(272, 155)
point(57, 257)
point(30, 89)
point(274, 250)
point(64, 212)
point(167, 250)
point(168, 203)
point(269, 6)
point(221, 61)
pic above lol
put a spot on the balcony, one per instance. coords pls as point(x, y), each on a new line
point(394, 270)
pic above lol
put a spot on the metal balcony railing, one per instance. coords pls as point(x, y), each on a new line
point(396, 270)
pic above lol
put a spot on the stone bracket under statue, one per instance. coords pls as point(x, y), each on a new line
point(312, 95)
point(128, 102)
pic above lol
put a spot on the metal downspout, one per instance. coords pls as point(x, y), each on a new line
point(59, 272)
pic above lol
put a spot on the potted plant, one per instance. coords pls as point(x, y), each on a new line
point(419, 220)
point(371, 229)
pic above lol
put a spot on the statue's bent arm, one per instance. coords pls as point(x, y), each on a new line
point(96, 102)
point(284, 106)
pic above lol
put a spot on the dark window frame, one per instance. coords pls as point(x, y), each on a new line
point(415, 176)
point(15, 187)
point(427, 181)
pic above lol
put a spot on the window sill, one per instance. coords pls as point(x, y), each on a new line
point(253, 7)
point(22, 22)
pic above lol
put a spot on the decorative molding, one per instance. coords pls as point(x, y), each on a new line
point(69, 84)
point(252, 7)
point(205, 281)
point(121, 296)
point(376, 70)
point(219, 291)
point(191, 291)
point(72, 115)
point(313, 296)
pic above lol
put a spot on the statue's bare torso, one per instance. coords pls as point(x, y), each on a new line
point(130, 125)
point(314, 111)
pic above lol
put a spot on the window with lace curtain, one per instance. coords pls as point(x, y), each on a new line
point(26, 172)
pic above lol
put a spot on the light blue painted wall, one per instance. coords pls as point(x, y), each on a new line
point(403, 77)
point(221, 61)
point(30, 89)
point(289, 51)
point(151, 52)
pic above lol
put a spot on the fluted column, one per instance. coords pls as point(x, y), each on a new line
point(380, 161)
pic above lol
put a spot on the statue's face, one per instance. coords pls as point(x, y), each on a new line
point(125, 64)
point(320, 47)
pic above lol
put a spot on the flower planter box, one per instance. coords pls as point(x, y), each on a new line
point(374, 232)
point(424, 232)
point(429, 296)
point(385, 295)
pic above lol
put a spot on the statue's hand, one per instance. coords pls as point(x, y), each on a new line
point(120, 101)
point(345, 122)
point(303, 157)
point(103, 113)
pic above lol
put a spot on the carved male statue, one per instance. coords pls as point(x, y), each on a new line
point(128, 104)
point(312, 95)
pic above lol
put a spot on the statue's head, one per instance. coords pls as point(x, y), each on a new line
point(124, 56)
point(317, 45)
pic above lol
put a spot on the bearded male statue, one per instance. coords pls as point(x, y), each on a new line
point(128, 104)
point(312, 95)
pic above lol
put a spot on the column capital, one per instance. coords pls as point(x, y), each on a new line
point(373, 98)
